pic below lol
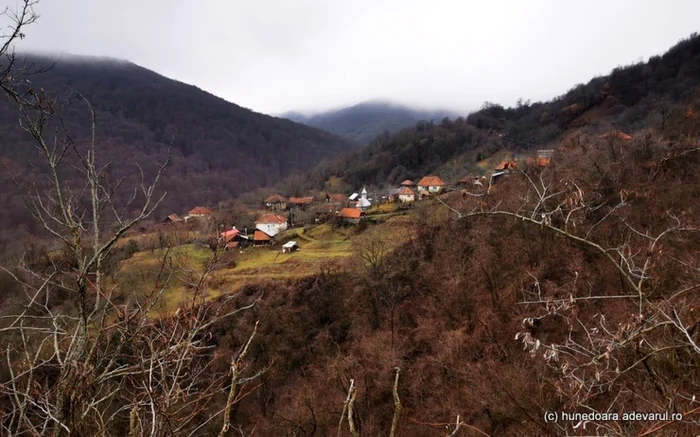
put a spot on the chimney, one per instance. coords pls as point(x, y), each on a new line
point(233, 228)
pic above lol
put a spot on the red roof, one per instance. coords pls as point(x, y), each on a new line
point(506, 165)
point(350, 213)
point(406, 191)
point(301, 200)
point(259, 235)
point(200, 210)
point(407, 183)
point(275, 198)
point(174, 218)
point(228, 235)
point(271, 218)
point(431, 181)
point(338, 198)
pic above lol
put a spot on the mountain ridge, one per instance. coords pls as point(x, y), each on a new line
point(365, 121)
point(219, 149)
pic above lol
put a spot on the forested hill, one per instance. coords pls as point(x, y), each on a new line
point(367, 120)
point(220, 149)
point(663, 93)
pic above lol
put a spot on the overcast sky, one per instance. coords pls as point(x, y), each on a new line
point(279, 55)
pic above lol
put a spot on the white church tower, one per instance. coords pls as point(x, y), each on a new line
point(363, 203)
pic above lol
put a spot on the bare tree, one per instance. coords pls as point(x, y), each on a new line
point(98, 360)
point(648, 337)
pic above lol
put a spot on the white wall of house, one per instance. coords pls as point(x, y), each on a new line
point(430, 188)
point(407, 198)
point(271, 228)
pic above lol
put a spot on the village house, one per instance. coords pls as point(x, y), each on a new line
point(300, 202)
point(261, 237)
point(544, 157)
point(232, 238)
point(276, 202)
point(363, 203)
point(506, 166)
point(503, 168)
point(430, 184)
point(199, 212)
point(336, 199)
point(408, 183)
point(325, 211)
point(350, 215)
point(406, 195)
point(172, 218)
point(271, 224)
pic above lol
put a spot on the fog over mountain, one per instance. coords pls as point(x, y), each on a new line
point(276, 55)
point(364, 121)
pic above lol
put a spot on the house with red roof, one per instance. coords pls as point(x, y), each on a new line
point(336, 198)
point(351, 215)
point(271, 224)
point(199, 212)
point(276, 202)
point(430, 184)
point(232, 238)
point(300, 202)
point(406, 195)
point(172, 218)
point(261, 237)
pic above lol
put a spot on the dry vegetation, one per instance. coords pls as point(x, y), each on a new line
point(573, 287)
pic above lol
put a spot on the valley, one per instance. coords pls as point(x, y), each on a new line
point(173, 264)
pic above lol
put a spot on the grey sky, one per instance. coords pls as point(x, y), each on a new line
point(278, 55)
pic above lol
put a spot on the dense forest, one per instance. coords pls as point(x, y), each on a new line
point(367, 120)
point(654, 93)
point(219, 150)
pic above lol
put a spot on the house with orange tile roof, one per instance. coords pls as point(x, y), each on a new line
point(172, 218)
point(232, 238)
point(276, 202)
point(430, 184)
point(300, 202)
point(271, 224)
point(351, 215)
point(260, 237)
point(506, 165)
point(406, 195)
point(336, 198)
point(199, 212)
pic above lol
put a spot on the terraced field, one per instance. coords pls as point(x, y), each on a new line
point(177, 271)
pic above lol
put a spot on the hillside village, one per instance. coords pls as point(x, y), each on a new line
point(173, 263)
point(276, 213)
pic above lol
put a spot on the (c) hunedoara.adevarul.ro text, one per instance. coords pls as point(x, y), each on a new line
point(630, 416)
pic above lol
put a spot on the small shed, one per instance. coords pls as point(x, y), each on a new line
point(290, 246)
